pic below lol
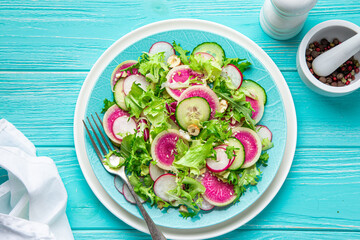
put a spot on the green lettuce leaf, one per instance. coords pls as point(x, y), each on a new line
point(242, 66)
point(183, 54)
point(194, 158)
point(266, 144)
point(107, 105)
point(211, 69)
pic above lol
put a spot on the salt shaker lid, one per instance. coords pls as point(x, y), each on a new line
point(294, 7)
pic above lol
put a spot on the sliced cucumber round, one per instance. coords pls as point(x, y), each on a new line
point(192, 110)
point(239, 153)
point(119, 95)
point(213, 49)
point(255, 90)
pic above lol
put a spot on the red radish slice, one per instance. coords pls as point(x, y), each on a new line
point(252, 145)
point(162, 46)
point(129, 197)
point(264, 132)
point(179, 75)
point(234, 74)
point(117, 73)
point(117, 121)
point(205, 205)
point(155, 172)
point(258, 107)
point(163, 148)
point(118, 183)
point(204, 92)
point(222, 161)
point(163, 185)
point(205, 55)
point(217, 193)
point(138, 79)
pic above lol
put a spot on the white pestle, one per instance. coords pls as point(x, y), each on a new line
point(329, 61)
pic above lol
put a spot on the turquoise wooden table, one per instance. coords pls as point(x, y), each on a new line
point(48, 47)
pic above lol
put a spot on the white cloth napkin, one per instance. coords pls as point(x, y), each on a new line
point(33, 200)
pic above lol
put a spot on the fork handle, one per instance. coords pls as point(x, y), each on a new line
point(154, 231)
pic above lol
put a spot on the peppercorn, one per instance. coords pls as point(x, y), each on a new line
point(322, 79)
point(336, 41)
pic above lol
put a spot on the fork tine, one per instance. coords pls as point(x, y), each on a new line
point(115, 147)
point(93, 142)
point(97, 138)
point(102, 135)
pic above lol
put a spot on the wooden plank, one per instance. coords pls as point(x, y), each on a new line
point(72, 35)
point(42, 104)
point(321, 193)
point(237, 234)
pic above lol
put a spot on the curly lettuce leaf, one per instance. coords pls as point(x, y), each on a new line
point(153, 67)
point(238, 62)
point(183, 54)
point(107, 105)
point(194, 158)
point(210, 68)
point(266, 144)
point(215, 129)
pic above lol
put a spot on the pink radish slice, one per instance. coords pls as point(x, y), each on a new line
point(129, 197)
point(204, 92)
point(117, 121)
point(234, 74)
point(162, 46)
point(163, 185)
point(222, 161)
point(138, 79)
point(179, 74)
point(163, 148)
point(258, 107)
point(118, 183)
point(117, 73)
point(264, 132)
point(252, 145)
point(155, 172)
point(205, 205)
point(205, 55)
point(217, 193)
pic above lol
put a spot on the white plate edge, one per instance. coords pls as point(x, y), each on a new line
point(168, 25)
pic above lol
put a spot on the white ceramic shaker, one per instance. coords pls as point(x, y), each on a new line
point(283, 19)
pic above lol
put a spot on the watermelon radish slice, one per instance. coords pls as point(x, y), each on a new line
point(234, 74)
point(222, 161)
point(129, 197)
point(258, 107)
point(116, 121)
point(155, 172)
point(205, 55)
point(252, 145)
point(217, 193)
point(179, 74)
point(163, 185)
point(204, 92)
point(138, 79)
point(163, 148)
point(164, 47)
point(264, 132)
point(118, 183)
point(117, 73)
point(205, 205)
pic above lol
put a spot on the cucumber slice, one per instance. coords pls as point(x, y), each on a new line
point(192, 110)
point(213, 49)
point(119, 95)
point(255, 89)
point(239, 152)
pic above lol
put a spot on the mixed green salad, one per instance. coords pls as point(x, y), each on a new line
point(187, 127)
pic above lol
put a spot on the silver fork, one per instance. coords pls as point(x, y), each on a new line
point(154, 231)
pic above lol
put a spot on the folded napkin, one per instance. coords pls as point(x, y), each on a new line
point(33, 200)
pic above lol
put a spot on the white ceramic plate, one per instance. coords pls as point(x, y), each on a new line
point(256, 51)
